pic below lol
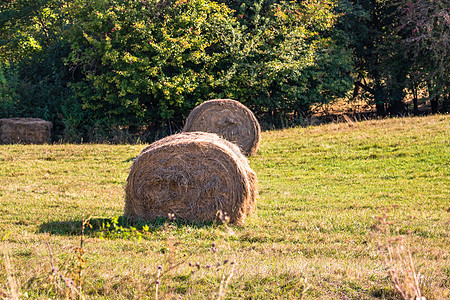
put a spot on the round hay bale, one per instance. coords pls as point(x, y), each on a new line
point(229, 119)
point(193, 176)
point(25, 131)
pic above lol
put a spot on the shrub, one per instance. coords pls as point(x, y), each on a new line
point(115, 70)
point(147, 64)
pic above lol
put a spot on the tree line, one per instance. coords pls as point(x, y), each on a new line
point(115, 70)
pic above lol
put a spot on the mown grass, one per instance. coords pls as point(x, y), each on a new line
point(314, 234)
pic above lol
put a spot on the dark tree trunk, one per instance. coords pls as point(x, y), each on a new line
point(396, 108)
point(380, 102)
point(434, 104)
point(446, 103)
point(434, 97)
point(415, 106)
point(381, 110)
point(415, 102)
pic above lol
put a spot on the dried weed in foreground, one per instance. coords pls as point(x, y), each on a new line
point(192, 176)
point(174, 263)
point(398, 260)
point(226, 278)
point(14, 290)
point(70, 282)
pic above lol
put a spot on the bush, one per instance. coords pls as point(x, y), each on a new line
point(148, 64)
point(115, 70)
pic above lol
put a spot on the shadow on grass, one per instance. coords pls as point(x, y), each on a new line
point(131, 159)
point(112, 225)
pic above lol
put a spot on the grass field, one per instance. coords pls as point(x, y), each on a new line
point(331, 199)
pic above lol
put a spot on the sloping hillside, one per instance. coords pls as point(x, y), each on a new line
point(333, 200)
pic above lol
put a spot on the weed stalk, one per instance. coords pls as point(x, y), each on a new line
point(398, 260)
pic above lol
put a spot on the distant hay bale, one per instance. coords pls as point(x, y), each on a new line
point(25, 131)
point(229, 119)
point(193, 176)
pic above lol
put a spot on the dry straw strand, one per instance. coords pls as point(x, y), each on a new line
point(225, 282)
point(59, 277)
point(398, 259)
point(229, 119)
point(192, 176)
point(13, 286)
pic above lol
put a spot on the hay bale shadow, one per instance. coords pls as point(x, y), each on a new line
point(97, 225)
point(131, 159)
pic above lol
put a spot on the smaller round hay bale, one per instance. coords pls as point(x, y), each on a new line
point(193, 176)
point(25, 131)
point(229, 119)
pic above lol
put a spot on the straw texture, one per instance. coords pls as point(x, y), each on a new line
point(25, 131)
point(193, 176)
point(229, 119)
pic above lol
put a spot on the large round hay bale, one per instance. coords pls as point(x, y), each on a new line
point(229, 119)
point(193, 176)
point(25, 131)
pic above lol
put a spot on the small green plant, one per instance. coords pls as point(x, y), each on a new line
point(117, 227)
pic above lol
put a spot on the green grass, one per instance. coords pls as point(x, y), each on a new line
point(314, 233)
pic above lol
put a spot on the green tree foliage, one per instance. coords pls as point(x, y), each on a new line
point(381, 68)
point(149, 63)
point(33, 77)
point(283, 63)
point(398, 45)
point(28, 27)
point(146, 63)
point(425, 30)
point(100, 68)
